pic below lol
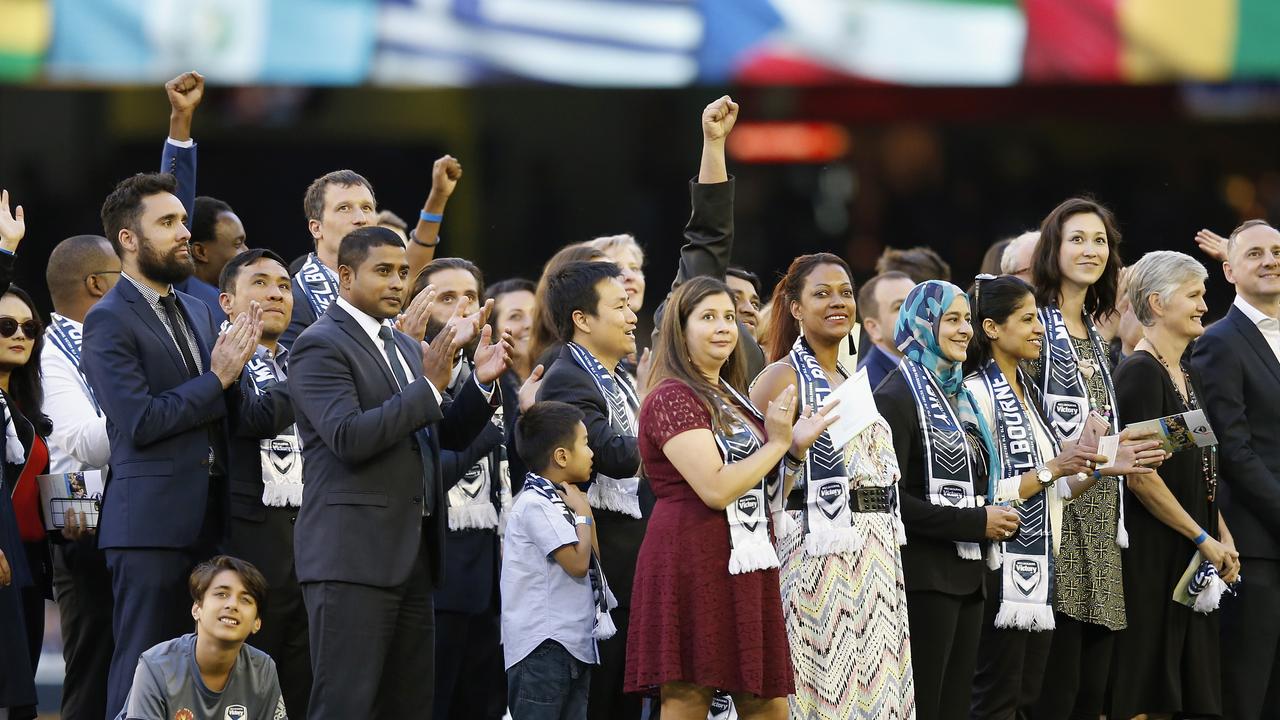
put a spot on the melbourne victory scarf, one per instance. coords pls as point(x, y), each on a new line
point(1026, 587)
point(319, 284)
point(1065, 391)
point(748, 516)
point(605, 601)
point(64, 335)
point(616, 494)
point(824, 479)
point(280, 456)
point(471, 500)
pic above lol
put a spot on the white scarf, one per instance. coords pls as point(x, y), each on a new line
point(748, 516)
point(620, 495)
point(471, 501)
point(280, 456)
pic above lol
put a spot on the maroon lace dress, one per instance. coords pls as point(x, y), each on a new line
point(691, 621)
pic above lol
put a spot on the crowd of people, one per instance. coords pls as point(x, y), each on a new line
point(379, 487)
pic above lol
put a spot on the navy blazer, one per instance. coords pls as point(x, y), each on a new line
point(181, 163)
point(361, 517)
point(878, 364)
point(157, 419)
point(302, 318)
point(1241, 380)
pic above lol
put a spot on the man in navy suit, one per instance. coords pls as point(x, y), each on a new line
point(150, 356)
point(370, 534)
point(1238, 359)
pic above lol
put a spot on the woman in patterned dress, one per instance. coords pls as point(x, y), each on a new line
point(842, 587)
point(1076, 270)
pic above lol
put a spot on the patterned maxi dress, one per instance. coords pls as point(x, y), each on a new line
point(847, 613)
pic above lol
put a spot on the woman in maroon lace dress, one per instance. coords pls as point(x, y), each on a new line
point(706, 610)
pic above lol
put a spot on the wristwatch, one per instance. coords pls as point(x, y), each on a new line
point(581, 520)
point(1044, 475)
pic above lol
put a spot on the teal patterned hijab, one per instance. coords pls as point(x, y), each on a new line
point(917, 337)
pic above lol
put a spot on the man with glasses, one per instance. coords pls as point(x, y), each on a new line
point(80, 272)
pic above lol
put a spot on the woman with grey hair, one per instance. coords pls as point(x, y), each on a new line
point(1167, 662)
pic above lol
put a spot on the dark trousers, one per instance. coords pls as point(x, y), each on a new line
point(1250, 640)
point(607, 701)
point(470, 681)
point(549, 684)
point(1010, 667)
point(82, 589)
point(945, 630)
point(1080, 666)
point(151, 605)
point(372, 648)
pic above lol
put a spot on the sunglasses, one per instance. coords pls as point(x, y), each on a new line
point(9, 326)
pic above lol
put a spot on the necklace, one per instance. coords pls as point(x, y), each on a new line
point(1209, 455)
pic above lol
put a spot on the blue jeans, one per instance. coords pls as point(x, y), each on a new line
point(548, 684)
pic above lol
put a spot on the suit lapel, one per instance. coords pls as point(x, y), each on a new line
point(1253, 336)
point(147, 315)
point(353, 329)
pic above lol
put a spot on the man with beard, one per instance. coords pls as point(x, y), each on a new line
point(477, 492)
point(150, 357)
point(265, 467)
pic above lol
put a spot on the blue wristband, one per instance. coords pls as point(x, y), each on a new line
point(1201, 537)
point(430, 217)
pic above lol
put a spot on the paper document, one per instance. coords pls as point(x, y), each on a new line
point(1179, 432)
point(1109, 445)
point(857, 409)
point(79, 491)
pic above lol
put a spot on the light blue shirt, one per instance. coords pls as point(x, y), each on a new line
point(540, 600)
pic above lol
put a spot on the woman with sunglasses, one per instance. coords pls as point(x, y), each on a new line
point(942, 493)
point(1075, 271)
point(1031, 473)
point(23, 550)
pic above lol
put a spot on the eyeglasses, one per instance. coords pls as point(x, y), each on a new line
point(9, 326)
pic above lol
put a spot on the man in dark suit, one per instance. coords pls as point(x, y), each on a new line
point(1238, 359)
point(264, 462)
point(369, 538)
point(148, 357)
point(593, 319)
point(878, 303)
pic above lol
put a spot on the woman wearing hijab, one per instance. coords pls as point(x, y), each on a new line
point(942, 494)
point(842, 585)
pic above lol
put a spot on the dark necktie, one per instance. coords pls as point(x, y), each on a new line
point(170, 303)
point(397, 369)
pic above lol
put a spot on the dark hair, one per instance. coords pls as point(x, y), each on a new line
point(204, 218)
point(544, 333)
point(123, 207)
point(510, 285)
point(204, 573)
point(542, 428)
point(919, 263)
point(747, 275)
point(356, 245)
point(69, 263)
point(448, 263)
point(313, 201)
point(784, 328)
point(1100, 298)
point(671, 352)
point(867, 304)
point(573, 288)
point(227, 279)
point(992, 257)
point(992, 299)
point(25, 387)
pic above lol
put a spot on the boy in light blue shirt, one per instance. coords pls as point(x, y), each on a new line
point(555, 599)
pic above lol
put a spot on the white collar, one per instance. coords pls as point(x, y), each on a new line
point(54, 317)
point(1256, 316)
point(370, 324)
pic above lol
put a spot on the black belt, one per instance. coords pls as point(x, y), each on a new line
point(863, 499)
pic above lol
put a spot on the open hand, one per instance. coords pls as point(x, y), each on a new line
point(414, 320)
point(492, 358)
point(644, 366)
point(13, 226)
point(468, 326)
point(529, 388)
point(185, 92)
point(777, 417)
point(575, 499)
point(74, 525)
point(1075, 459)
point(438, 356)
point(1212, 244)
point(810, 425)
point(718, 119)
point(235, 346)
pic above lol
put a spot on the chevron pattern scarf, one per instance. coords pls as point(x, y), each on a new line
point(748, 516)
point(617, 494)
point(319, 284)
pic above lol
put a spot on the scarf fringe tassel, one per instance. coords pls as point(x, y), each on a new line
point(750, 557)
point(1208, 599)
point(969, 550)
point(603, 497)
point(833, 542)
point(473, 517)
point(1025, 617)
point(282, 494)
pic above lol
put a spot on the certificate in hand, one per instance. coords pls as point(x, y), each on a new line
point(1179, 432)
point(79, 491)
point(857, 409)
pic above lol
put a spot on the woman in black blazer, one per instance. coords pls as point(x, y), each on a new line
point(942, 493)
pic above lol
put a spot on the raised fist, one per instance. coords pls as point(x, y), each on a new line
point(185, 91)
point(718, 119)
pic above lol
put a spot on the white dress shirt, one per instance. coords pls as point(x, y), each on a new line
point(79, 438)
point(1267, 325)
